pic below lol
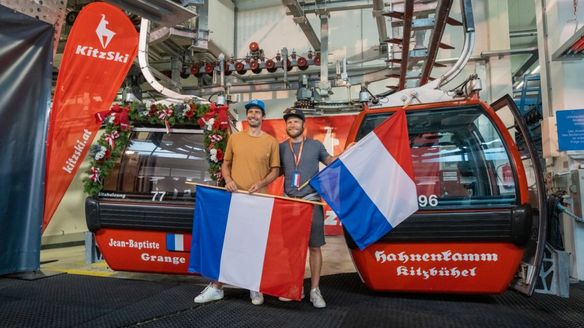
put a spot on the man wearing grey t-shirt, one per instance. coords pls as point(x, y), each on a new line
point(299, 159)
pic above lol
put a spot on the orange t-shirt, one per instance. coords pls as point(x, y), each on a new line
point(251, 158)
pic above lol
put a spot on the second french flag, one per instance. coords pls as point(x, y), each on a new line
point(254, 242)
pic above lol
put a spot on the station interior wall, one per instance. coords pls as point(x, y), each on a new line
point(352, 34)
point(562, 90)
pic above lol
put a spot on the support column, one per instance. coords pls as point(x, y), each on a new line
point(499, 69)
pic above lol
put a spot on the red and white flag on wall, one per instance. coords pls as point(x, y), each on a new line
point(99, 52)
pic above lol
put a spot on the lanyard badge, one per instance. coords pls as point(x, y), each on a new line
point(296, 174)
point(295, 179)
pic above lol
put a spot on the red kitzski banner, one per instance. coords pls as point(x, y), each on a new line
point(99, 52)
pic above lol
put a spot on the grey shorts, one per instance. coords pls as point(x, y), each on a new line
point(317, 229)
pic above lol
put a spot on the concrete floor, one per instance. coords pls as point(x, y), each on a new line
point(71, 260)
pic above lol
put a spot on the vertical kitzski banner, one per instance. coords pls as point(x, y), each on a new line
point(99, 52)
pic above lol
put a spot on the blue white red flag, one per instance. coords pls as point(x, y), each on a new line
point(371, 186)
point(176, 242)
point(250, 241)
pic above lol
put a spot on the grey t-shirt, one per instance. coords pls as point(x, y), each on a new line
point(313, 152)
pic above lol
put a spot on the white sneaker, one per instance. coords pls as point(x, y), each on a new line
point(257, 298)
point(316, 298)
point(209, 294)
point(284, 299)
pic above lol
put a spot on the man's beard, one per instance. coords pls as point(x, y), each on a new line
point(297, 134)
point(254, 123)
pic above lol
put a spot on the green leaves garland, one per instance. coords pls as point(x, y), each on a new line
point(212, 119)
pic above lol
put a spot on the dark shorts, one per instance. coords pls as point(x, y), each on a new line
point(317, 229)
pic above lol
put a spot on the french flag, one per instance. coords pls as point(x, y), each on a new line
point(371, 186)
point(251, 241)
point(177, 242)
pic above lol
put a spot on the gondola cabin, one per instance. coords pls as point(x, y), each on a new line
point(478, 228)
point(143, 217)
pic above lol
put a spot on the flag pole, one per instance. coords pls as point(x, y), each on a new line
point(260, 194)
point(304, 184)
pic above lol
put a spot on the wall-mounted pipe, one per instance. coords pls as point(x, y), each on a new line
point(380, 20)
point(235, 21)
point(324, 84)
point(357, 73)
point(357, 76)
point(336, 5)
point(344, 75)
point(145, 67)
point(302, 21)
point(222, 70)
point(285, 63)
point(202, 40)
point(469, 41)
point(495, 53)
point(521, 34)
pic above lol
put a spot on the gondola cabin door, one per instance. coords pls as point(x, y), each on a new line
point(531, 263)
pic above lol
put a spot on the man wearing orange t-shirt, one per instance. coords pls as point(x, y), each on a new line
point(251, 163)
point(252, 158)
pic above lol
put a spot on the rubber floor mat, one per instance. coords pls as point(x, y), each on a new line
point(85, 301)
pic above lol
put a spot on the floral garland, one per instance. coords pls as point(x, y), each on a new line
point(214, 120)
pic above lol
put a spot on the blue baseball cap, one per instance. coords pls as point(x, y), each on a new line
point(256, 103)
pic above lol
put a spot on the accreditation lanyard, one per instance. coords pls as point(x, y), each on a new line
point(296, 175)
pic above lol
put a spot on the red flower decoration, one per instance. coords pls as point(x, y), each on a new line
point(209, 115)
point(153, 110)
point(216, 124)
point(219, 155)
point(117, 108)
point(212, 108)
point(222, 120)
point(189, 114)
point(122, 117)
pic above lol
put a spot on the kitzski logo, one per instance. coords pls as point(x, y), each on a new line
point(103, 33)
point(105, 36)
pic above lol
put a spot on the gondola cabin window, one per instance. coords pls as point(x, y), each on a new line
point(159, 166)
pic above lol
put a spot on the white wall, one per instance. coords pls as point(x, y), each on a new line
point(561, 80)
point(566, 76)
point(221, 25)
point(562, 89)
